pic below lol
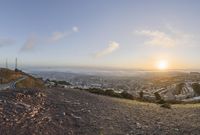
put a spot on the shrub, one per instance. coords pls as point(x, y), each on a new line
point(141, 94)
point(161, 101)
point(63, 83)
point(126, 95)
point(112, 93)
point(166, 105)
point(157, 95)
point(96, 91)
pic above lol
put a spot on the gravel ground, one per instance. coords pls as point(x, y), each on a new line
point(76, 112)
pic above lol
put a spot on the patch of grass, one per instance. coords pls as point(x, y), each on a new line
point(30, 83)
point(8, 75)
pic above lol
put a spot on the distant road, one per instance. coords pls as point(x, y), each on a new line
point(12, 84)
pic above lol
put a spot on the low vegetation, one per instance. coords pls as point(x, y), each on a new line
point(166, 105)
point(61, 82)
point(31, 82)
point(110, 92)
point(7, 75)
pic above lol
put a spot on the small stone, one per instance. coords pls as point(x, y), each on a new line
point(138, 125)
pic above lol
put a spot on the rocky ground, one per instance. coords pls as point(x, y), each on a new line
point(75, 112)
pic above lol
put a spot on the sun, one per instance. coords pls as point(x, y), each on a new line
point(162, 65)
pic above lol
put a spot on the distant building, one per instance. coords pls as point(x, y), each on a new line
point(195, 74)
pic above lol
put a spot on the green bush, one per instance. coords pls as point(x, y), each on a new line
point(60, 82)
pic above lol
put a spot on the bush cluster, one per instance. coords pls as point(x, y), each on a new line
point(110, 92)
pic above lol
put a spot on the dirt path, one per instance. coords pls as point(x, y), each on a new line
point(75, 112)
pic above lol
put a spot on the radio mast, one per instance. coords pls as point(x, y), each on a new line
point(15, 63)
point(6, 63)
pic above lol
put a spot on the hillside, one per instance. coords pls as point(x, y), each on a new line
point(7, 75)
point(32, 109)
point(74, 112)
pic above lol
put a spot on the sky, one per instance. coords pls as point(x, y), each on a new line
point(124, 34)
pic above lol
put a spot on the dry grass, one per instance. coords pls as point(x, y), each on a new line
point(30, 82)
point(9, 75)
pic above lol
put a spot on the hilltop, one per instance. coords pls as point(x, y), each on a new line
point(30, 108)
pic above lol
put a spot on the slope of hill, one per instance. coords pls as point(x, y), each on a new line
point(73, 112)
point(32, 109)
point(7, 75)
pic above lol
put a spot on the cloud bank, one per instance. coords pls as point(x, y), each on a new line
point(112, 46)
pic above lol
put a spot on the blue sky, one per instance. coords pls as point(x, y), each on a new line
point(102, 33)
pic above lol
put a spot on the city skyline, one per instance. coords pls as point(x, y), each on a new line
point(147, 35)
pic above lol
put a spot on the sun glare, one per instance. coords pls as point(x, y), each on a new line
point(162, 65)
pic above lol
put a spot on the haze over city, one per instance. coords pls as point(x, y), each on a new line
point(127, 34)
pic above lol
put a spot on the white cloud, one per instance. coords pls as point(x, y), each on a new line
point(113, 46)
point(158, 38)
point(171, 38)
point(6, 41)
point(29, 44)
point(56, 36)
point(75, 29)
point(32, 41)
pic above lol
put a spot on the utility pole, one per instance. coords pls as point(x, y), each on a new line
point(6, 63)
